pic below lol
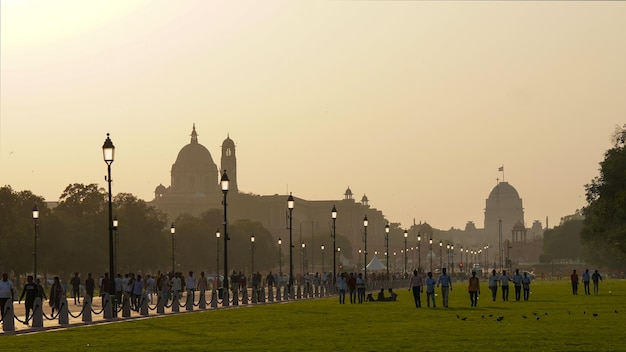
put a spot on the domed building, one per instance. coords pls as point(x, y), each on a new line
point(503, 205)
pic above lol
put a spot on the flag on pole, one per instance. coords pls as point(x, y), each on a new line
point(501, 168)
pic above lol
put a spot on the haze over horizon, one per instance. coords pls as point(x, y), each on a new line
point(415, 104)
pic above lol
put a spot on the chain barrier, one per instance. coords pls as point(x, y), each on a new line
point(101, 310)
point(53, 317)
point(79, 314)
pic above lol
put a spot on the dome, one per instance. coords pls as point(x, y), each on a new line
point(228, 143)
point(519, 226)
point(364, 199)
point(194, 155)
point(348, 192)
point(504, 190)
point(160, 189)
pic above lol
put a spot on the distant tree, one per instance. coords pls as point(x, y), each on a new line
point(563, 241)
point(604, 229)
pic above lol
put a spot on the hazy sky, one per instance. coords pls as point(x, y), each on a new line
point(414, 103)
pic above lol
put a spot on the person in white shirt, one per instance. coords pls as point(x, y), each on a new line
point(190, 285)
point(150, 287)
point(7, 291)
point(176, 285)
point(493, 284)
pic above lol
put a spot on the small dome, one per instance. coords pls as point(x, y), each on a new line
point(364, 199)
point(228, 143)
point(519, 226)
point(160, 189)
point(348, 192)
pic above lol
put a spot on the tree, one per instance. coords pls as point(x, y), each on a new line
point(604, 231)
point(563, 241)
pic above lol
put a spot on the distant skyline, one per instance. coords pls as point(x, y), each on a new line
point(415, 104)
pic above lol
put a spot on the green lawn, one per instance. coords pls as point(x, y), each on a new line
point(555, 321)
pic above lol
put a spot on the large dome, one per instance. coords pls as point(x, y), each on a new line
point(504, 190)
point(194, 155)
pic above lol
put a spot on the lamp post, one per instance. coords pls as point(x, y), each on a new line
point(452, 252)
point(339, 254)
point(387, 248)
point(360, 267)
point(302, 259)
point(217, 249)
point(333, 214)
point(430, 254)
point(116, 223)
point(225, 182)
point(252, 254)
point(440, 256)
point(108, 153)
point(365, 223)
point(173, 231)
point(290, 205)
point(419, 252)
point(322, 248)
point(36, 223)
point(406, 235)
point(280, 256)
point(448, 256)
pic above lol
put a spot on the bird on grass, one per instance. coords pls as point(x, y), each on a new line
point(464, 318)
point(499, 318)
point(595, 314)
point(458, 317)
point(523, 316)
point(616, 311)
point(537, 318)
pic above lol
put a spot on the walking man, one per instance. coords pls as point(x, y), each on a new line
point(574, 279)
point(446, 284)
point(75, 282)
point(504, 282)
point(31, 291)
point(586, 279)
point(416, 285)
point(493, 284)
point(517, 281)
point(430, 289)
point(474, 288)
point(596, 277)
point(526, 285)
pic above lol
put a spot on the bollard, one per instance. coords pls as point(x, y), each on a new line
point(86, 309)
point(143, 310)
point(278, 296)
point(108, 307)
point(160, 305)
point(214, 298)
point(299, 294)
point(235, 298)
point(225, 300)
point(244, 296)
point(63, 316)
point(126, 306)
point(189, 302)
point(8, 323)
point(262, 295)
point(286, 293)
point(175, 302)
point(255, 296)
point(37, 319)
point(270, 294)
point(202, 300)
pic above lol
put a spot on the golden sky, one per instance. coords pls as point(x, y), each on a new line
point(414, 103)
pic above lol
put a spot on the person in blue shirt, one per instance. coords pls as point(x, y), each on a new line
point(446, 285)
point(504, 282)
point(430, 289)
point(586, 279)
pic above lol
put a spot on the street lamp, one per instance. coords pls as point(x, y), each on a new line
point(322, 248)
point(430, 254)
point(36, 222)
point(252, 253)
point(108, 153)
point(302, 259)
point(280, 255)
point(452, 252)
point(365, 223)
point(360, 267)
point(224, 182)
point(406, 235)
point(440, 255)
point(333, 214)
point(173, 231)
point(419, 252)
point(448, 256)
point(217, 248)
point(116, 223)
point(290, 205)
point(387, 247)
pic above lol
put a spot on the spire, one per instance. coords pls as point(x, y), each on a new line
point(194, 135)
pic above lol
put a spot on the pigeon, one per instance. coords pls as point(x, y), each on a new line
point(616, 311)
point(490, 315)
point(537, 318)
point(546, 313)
point(584, 312)
point(534, 313)
point(523, 316)
point(595, 314)
point(464, 318)
point(458, 317)
point(500, 318)
point(568, 312)
point(482, 316)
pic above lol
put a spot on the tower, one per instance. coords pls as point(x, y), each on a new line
point(229, 163)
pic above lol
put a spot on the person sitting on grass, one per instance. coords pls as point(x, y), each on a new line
point(392, 296)
point(381, 295)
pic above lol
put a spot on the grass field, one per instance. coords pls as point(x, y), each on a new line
point(555, 321)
